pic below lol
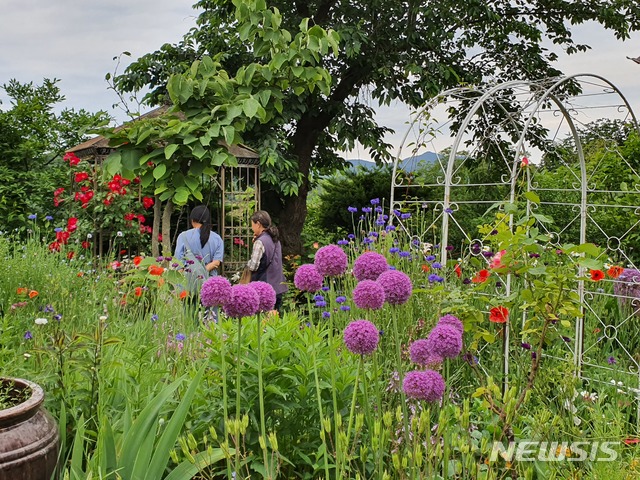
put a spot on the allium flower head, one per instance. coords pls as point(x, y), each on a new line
point(242, 302)
point(215, 291)
point(266, 294)
point(420, 353)
point(368, 295)
point(445, 341)
point(307, 278)
point(361, 337)
point(396, 285)
point(452, 321)
point(331, 261)
point(369, 266)
point(424, 385)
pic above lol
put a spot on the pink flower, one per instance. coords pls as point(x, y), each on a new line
point(368, 295)
point(424, 385)
point(496, 260)
point(331, 261)
point(361, 337)
point(369, 266)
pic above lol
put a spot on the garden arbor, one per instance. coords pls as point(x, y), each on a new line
point(533, 144)
point(234, 194)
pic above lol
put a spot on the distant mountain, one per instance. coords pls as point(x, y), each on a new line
point(408, 164)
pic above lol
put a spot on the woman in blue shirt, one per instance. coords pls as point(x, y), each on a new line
point(206, 245)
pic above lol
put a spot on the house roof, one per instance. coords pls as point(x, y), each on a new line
point(100, 145)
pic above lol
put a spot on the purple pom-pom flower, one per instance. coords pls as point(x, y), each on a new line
point(215, 291)
point(445, 341)
point(243, 302)
point(420, 353)
point(396, 285)
point(331, 261)
point(361, 337)
point(452, 321)
point(369, 266)
point(368, 294)
point(307, 278)
point(266, 295)
point(424, 385)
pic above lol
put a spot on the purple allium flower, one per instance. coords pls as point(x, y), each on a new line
point(215, 291)
point(396, 285)
point(266, 294)
point(28, 335)
point(341, 299)
point(368, 294)
point(419, 353)
point(445, 341)
point(242, 302)
point(180, 337)
point(424, 385)
point(331, 260)
point(369, 266)
point(452, 321)
point(307, 278)
point(361, 337)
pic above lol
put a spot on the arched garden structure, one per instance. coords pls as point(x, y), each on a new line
point(552, 148)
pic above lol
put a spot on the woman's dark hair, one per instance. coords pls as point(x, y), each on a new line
point(264, 219)
point(202, 215)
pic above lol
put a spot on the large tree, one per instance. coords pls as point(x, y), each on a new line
point(389, 50)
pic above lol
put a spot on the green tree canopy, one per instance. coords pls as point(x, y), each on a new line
point(389, 50)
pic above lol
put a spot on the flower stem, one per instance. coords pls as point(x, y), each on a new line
point(263, 431)
point(238, 372)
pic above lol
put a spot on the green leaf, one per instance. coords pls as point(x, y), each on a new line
point(250, 107)
point(532, 196)
point(170, 150)
point(159, 171)
point(187, 470)
point(77, 452)
point(172, 430)
point(181, 196)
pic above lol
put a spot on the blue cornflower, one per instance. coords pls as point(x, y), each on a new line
point(430, 258)
point(448, 210)
point(367, 240)
point(366, 210)
point(341, 299)
point(394, 250)
point(611, 361)
point(351, 236)
point(352, 209)
point(378, 209)
point(57, 317)
point(28, 335)
point(325, 289)
point(397, 213)
point(154, 317)
point(436, 265)
point(318, 298)
point(33, 216)
point(390, 228)
point(374, 234)
point(321, 303)
point(48, 309)
point(343, 242)
point(415, 242)
point(180, 337)
point(404, 216)
point(404, 254)
point(48, 218)
point(57, 229)
point(435, 278)
point(326, 314)
point(380, 221)
point(345, 308)
point(375, 201)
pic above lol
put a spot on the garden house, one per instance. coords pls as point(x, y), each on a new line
point(234, 194)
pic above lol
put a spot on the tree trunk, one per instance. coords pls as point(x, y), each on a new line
point(166, 228)
point(157, 212)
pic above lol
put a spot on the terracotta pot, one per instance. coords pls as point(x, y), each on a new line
point(29, 439)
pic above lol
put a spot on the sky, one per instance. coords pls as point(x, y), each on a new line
point(76, 41)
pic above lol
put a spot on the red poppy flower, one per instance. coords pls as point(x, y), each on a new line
point(21, 290)
point(499, 314)
point(615, 271)
point(138, 291)
point(137, 260)
point(631, 441)
point(425, 268)
point(458, 270)
point(183, 294)
point(33, 293)
point(597, 275)
point(481, 276)
point(156, 270)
